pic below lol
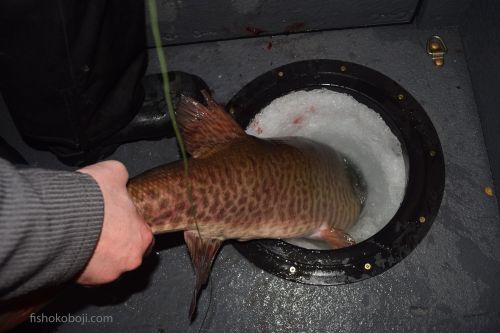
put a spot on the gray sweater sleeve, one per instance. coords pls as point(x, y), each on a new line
point(49, 225)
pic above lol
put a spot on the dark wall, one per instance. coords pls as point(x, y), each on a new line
point(184, 21)
point(481, 38)
point(441, 13)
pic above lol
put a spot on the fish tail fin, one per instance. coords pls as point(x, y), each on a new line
point(203, 252)
point(337, 239)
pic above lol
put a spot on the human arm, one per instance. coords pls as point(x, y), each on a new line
point(125, 237)
point(51, 221)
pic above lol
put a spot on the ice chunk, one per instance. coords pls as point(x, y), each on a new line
point(354, 130)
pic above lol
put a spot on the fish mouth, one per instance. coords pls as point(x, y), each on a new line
point(423, 172)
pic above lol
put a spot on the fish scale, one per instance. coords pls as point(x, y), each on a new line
point(242, 187)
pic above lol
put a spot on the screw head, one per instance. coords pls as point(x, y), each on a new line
point(439, 62)
point(488, 191)
point(368, 266)
point(434, 45)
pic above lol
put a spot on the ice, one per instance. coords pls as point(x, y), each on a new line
point(355, 131)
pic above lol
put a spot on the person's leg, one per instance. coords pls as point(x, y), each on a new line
point(147, 122)
point(7, 152)
point(70, 70)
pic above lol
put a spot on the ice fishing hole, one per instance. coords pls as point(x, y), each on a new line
point(372, 153)
point(387, 140)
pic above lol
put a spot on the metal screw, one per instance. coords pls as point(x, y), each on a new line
point(292, 269)
point(432, 153)
point(280, 74)
point(489, 191)
point(343, 68)
point(368, 266)
point(401, 97)
point(421, 219)
point(434, 45)
point(439, 62)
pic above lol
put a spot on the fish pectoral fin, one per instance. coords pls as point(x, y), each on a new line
point(203, 252)
point(337, 239)
point(206, 129)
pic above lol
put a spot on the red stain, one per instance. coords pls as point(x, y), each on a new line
point(269, 45)
point(254, 30)
point(295, 27)
point(297, 120)
point(312, 109)
point(256, 127)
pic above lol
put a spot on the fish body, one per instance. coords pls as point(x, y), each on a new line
point(251, 188)
point(241, 187)
point(237, 187)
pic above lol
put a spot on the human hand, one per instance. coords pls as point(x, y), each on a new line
point(125, 236)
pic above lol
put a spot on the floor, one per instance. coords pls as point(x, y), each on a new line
point(449, 283)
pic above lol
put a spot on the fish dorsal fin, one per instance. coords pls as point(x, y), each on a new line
point(205, 128)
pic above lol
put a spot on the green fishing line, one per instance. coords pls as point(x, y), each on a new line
point(155, 28)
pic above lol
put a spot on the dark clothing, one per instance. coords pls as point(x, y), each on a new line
point(50, 222)
point(70, 74)
point(70, 70)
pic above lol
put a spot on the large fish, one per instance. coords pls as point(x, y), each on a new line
point(237, 187)
point(242, 187)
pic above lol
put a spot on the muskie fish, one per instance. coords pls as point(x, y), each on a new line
point(242, 187)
